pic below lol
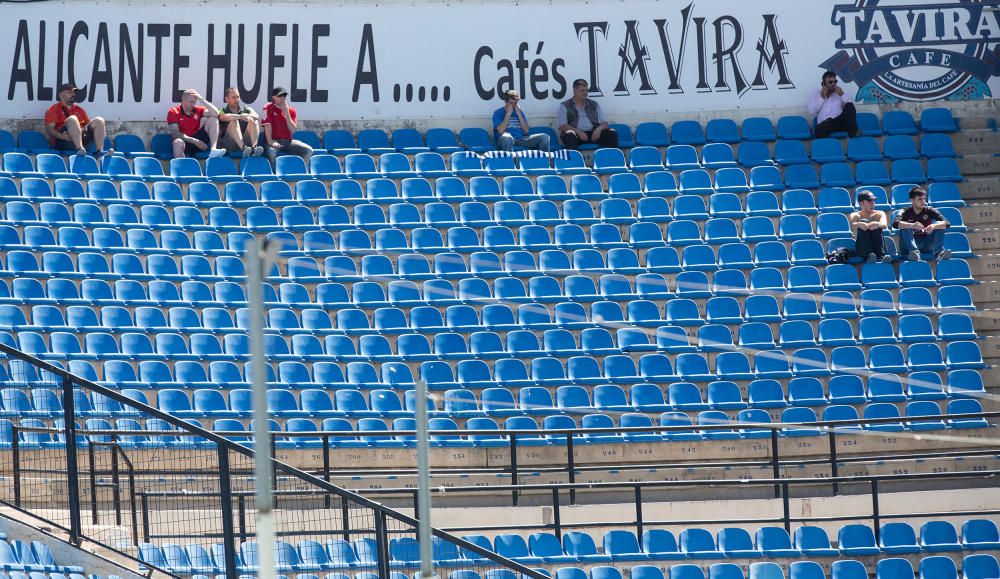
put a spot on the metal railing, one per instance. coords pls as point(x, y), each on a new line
point(90, 483)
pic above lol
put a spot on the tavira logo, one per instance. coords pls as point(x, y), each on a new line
point(917, 51)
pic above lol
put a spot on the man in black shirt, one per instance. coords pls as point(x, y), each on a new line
point(921, 228)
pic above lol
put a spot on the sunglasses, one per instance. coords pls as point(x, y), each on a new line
point(830, 82)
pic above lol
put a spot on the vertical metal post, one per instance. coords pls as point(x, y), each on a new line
point(116, 492)
point(556, 515)
point(834, 468)
point(144, 501)
point(345, 518)
point(423, 483)
point(259, 256)
point(786, 508)
point(241, 516)
point(72, 468)
point(326, 467)
point(571, 467)
point(515, 497)
point(775, 464)
point(638, 512)
point(382, 544)
point(226, 506)
point(875, 511)
point(92, 457)
point(15, 451)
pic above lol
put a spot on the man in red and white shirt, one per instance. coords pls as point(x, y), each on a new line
point(69, 128)
point(194, 128)
point(280, 121)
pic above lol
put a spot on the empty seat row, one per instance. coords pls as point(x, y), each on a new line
point(453, 190)
point(579, 547)
point(473, 291)
point(305, 433)
point(461, 403)
point(692, 178)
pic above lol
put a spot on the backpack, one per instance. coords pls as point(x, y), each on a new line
point(842, 255)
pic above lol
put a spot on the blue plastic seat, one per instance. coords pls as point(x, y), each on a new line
point(699, 543)
point(682, 158)
point(758, 129)
point(897, 539)
point(652, 134)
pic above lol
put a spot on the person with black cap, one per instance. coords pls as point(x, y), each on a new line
point(868, 225)
point(70, 129)
point(194, 128)
point(280, 121)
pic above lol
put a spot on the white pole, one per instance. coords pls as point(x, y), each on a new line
point(259, 256)
point(423, 484)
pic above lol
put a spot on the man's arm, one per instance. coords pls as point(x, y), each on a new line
point(289, 118)
point(855, 222)
point(562, 120)
point(226, 116)
point(883, 220)
point(267, 135)
point(939, 221)
point(210, 110)
point(524, 122)
point(501, 126)
point(175, 132)
point(602, 123)
point(52, 133)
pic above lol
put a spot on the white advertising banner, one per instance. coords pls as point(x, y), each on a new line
point(405, 61)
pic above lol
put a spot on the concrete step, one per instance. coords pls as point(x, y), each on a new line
point(975, 122)
point(987, 320)
point(986, 293)
point(980, 187)
point(976, 141)
point(981, 213)
point(984, 239)
point(988, 264)
point(979, 164)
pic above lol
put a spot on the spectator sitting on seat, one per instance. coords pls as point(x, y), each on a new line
point(512, 128)
point(239, 125)
point(279, 123)
point(581, 120)
point(194, 128)
point(834, 112)
point(868, 225)
point(921, 228)
point(70, 129)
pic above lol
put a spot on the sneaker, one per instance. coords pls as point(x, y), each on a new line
point(943, 254)
point(258, 151)
point(216, 153)
point(81, 151)
point(247, 151)
point(886, 259)
point(914, 255)
point(104, 153)
point(871, 258)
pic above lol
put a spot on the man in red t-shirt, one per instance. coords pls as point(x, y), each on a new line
point(279, 123)
point(69, 128)
point(194, 128)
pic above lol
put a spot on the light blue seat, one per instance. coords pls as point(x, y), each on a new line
point(790, 152)
point(700, 544)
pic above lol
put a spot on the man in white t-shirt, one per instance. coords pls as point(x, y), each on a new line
point(834, 112)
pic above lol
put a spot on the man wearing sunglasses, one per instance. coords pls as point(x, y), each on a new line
point(834, 112)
